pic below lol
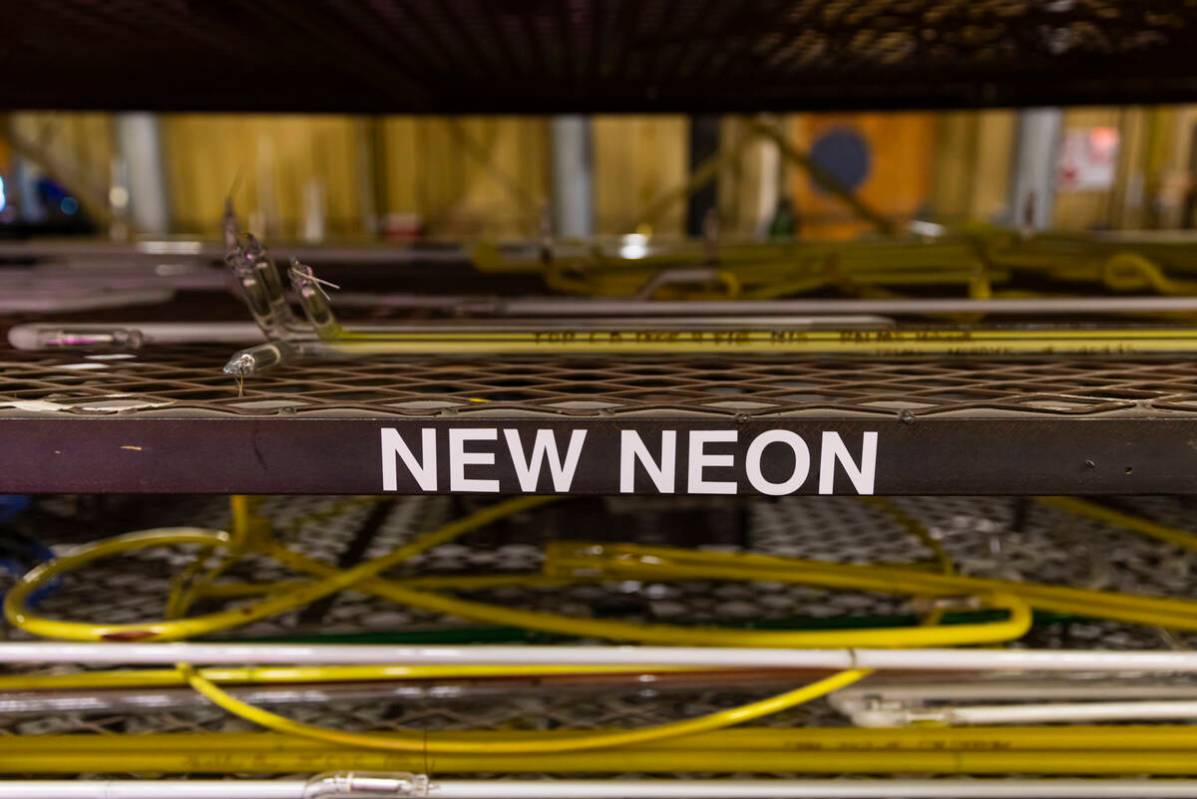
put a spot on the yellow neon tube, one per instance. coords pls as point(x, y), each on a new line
point(364, 577)
point(1015, 626)
point(257, 675)
point(18, 614)
point(604, 761)
point(641, 562)
point(331, 581)
point(418, 742)
point(1096, 738)
point(980, 341)
point(1114, 518)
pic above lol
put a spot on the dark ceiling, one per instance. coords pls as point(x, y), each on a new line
point(591, 55)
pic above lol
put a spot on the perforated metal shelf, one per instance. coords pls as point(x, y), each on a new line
point(172, 421)
point(188, 381)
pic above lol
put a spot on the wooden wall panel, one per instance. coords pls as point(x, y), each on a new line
point(637, 159)
point(468, 176)
point(272, 161)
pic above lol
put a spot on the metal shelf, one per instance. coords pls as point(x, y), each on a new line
point(591, 56)
point(170, 421)
point(1039, 543)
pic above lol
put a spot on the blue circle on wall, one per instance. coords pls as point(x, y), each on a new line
point(844, 153)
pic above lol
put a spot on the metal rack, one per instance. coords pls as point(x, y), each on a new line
point(167, 420)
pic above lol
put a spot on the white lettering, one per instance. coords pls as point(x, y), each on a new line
point(801, 462)
point(700, 460)
point(834, 450)
point(632, 449)
point(423, 471)
point(459, 459)
point(544, 464)
point(527, 470)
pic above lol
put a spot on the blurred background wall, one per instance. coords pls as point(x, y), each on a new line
point(324, 177)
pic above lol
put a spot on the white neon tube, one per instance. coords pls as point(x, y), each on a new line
point(38, 336)
point(911, 694)
point(1034, 714)
point(898, 704)
point(812, 789)
point(1077, 660)
point(359, 654)
point(325, 786)
point(154, 789)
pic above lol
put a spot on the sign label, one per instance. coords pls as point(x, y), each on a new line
point(492, 460)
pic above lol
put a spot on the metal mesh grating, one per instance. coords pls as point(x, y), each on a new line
point(189, 381)
point(401, 55)
point(984, 536)
point(999, 537)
